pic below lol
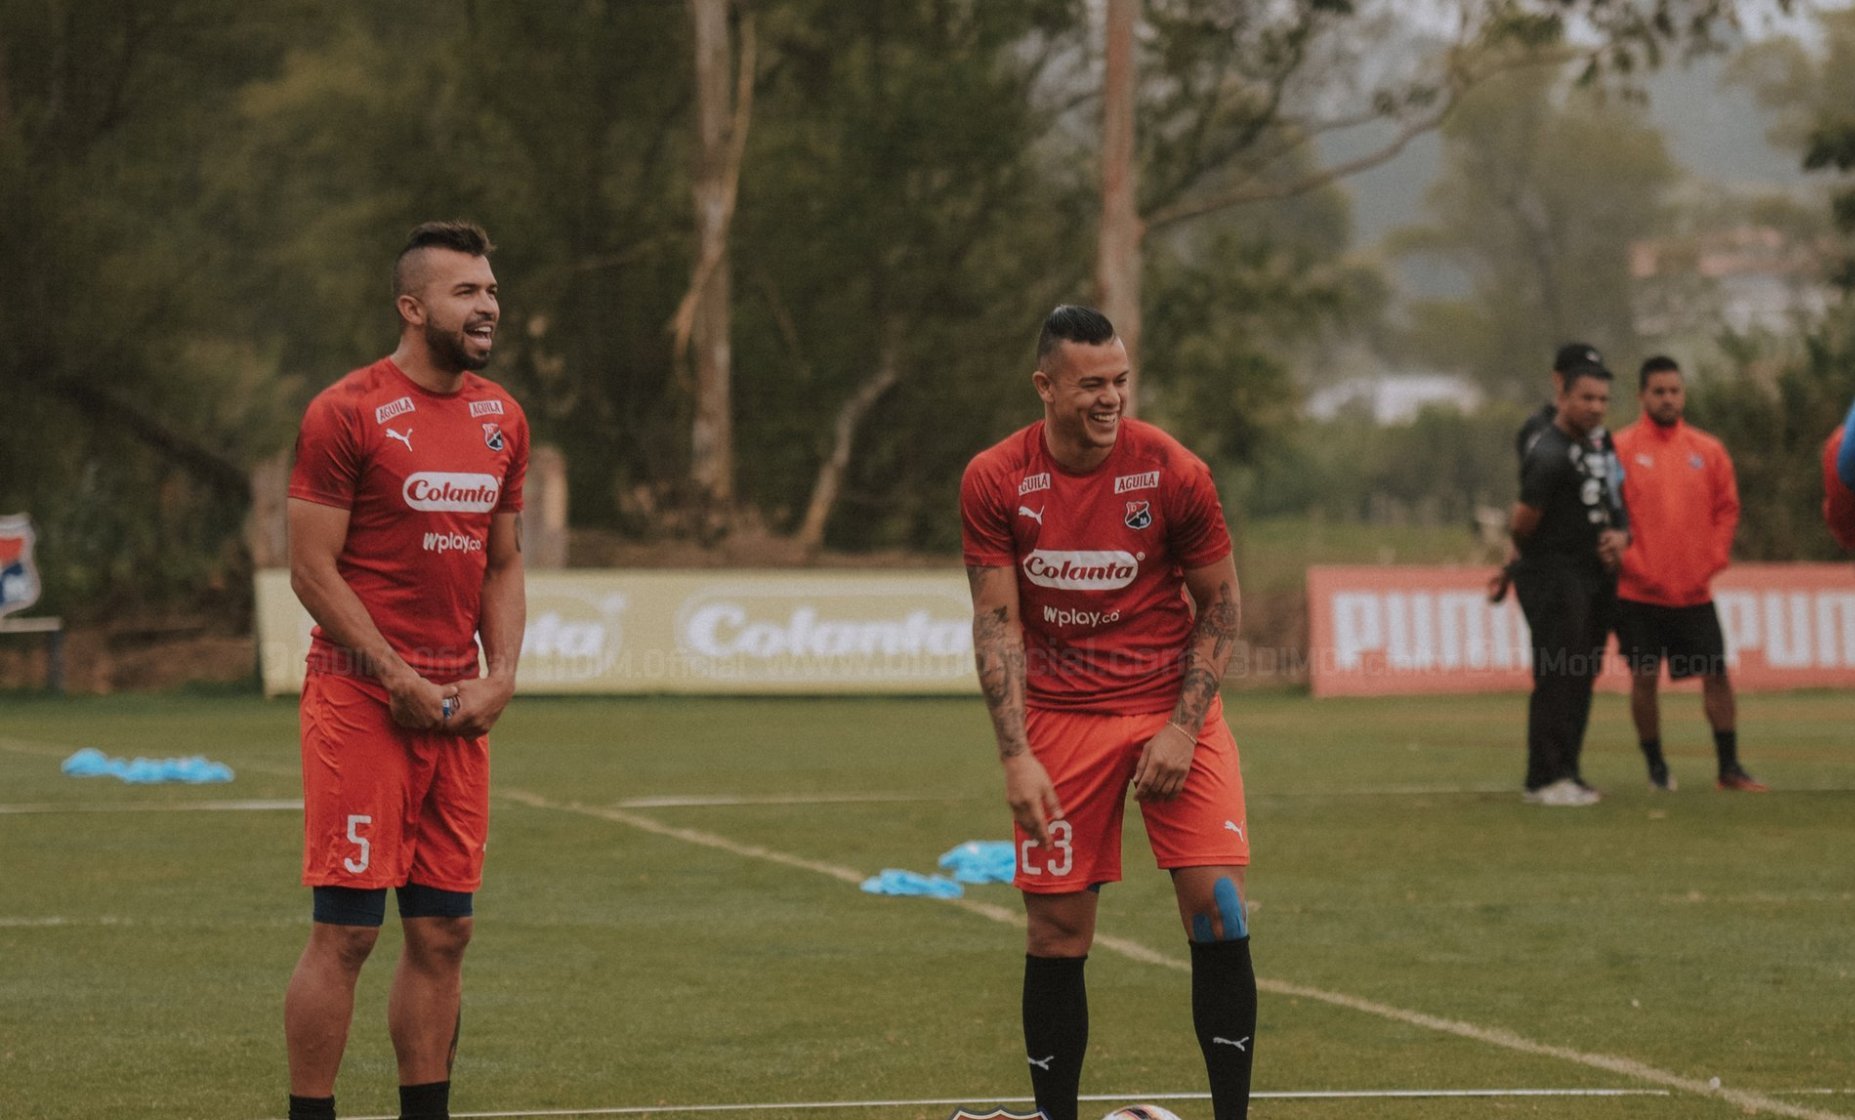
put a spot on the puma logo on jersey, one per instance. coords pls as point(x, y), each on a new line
point(405, 439)
point(1236, 828)
point(1034, 514)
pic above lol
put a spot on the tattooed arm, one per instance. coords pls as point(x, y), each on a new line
point(1167, 756)
point(998, 649)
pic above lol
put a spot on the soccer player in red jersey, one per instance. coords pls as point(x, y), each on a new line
point(406, 547)
point(1084, 535)
point(1838, 499)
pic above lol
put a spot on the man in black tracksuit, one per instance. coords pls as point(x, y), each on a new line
point(1570, 528)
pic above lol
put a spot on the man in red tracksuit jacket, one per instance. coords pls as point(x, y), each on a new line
point(1684, 506)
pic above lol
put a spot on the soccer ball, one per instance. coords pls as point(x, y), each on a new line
point(1140, 1112)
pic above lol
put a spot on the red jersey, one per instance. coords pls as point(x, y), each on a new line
point(1101, 559)
point(1838, 500)
point(421, 474)
point(1684, 508)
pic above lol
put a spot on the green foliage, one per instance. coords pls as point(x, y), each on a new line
point(1812, 95)
point(879, 226)
point(1543, 190)
point(1773, 415)
point(202, 201)
point(1234, 313)
point(132, 406)
point(1439, 468)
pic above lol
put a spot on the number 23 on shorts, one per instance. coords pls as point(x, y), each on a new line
point(1057, 857)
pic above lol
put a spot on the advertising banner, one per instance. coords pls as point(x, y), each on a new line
point(1382, 631)
point(719, 631)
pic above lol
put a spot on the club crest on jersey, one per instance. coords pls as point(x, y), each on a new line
point(485, 408)
point(492, 435)
point(1139, 515)
point(19, 576)
point(391, 409)
point(1695, 461)
point(1145, 480)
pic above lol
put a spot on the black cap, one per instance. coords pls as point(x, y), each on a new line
point(1574, 355)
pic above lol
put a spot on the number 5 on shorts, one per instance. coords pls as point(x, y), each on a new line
point(355, 867)
point(1060, 855)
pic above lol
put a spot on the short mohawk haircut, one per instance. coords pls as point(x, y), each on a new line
point(1071, 323)
point(462, 237)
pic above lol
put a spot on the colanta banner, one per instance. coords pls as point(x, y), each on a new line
point(1381, 631)
point(706, 632)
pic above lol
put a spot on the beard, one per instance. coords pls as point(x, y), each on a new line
point(450, 350)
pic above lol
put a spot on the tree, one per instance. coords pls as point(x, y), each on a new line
point(137, 414)
point(1117, 254)
point(1813, 94)
point(1543, 190)
point(705, 315)
point(1241, 91)
point(895, 256)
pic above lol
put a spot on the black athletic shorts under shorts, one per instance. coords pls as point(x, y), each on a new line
point(1688, 639)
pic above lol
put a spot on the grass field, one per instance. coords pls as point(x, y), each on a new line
point(1416, 927)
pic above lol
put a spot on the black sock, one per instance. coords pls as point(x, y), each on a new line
point(1658, 766)
point(1224, 1013)
point(1726, 746)
point(312, 1108)
point(1056, 1031)
point(431, 1101)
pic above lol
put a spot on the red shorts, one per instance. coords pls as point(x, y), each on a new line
point(384, 805)
point(1091, 758)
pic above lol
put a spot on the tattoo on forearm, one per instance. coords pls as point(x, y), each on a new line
point(998, 651)
point(1206, 654)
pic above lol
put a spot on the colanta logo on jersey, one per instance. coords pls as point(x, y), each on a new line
point(391, 409)
point(1082, 570)
point(452, 492)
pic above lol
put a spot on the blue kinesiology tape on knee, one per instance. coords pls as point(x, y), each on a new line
point(1230, 909)
point(1201, 929)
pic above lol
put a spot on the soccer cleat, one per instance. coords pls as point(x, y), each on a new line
point(1738, 779)
point(1660, 778)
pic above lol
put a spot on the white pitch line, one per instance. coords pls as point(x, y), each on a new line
point(1493, 1036)
point(689, 836)
point(160, 807)
point(704, 800)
